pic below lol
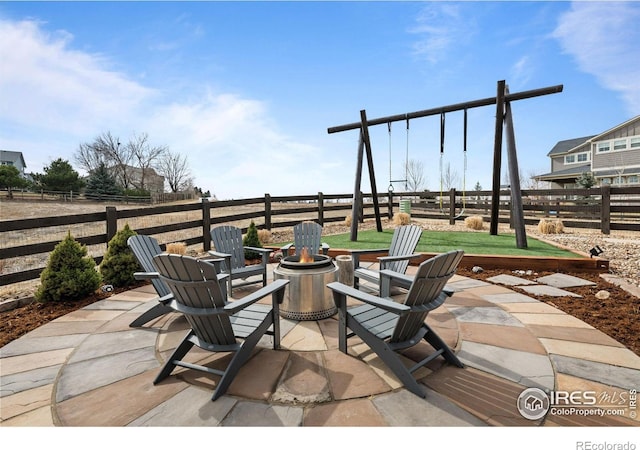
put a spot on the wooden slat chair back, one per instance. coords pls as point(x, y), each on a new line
point(404, 242)
point(401, 250)
point(144, 249)
point(388, 326)
point(227, 241)
point(426, 293)
point(216, 324)
point(309, 235)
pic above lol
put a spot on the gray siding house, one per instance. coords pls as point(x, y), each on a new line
point(13, 159)
point(613, 157)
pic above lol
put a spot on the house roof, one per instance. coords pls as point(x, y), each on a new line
point(614, 173)
point(9, 156)
point(571, 172)
point(568, 145)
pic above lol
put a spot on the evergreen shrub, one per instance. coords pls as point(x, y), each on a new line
point(251, 239)
point(119, 262)
point(70, 274)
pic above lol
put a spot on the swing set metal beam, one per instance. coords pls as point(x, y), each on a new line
point(450, 108)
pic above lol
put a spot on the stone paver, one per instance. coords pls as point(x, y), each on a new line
point(562, 280)
point(524, 368)
point(101, 371)
point(251, 414)
point(510, 280)
point(404, 409)
point(548, 290)
point(622, 377)
point(488, 315)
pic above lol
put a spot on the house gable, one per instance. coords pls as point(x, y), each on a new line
point(15, 159)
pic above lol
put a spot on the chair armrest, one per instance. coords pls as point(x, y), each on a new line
point(325, 248)
point(387, 305)
point(235, 306)
point(258, 249)
point(398, 257)
point(368, 251)
point(285, 249)
point(389, 278)
point(219, 254)
point(146, 275)
point(355, 254)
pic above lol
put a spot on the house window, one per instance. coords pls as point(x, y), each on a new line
point(634, 142)
point(570, 159)
point(583, 157)
point(603, 147)
point(633, 179)
point(605, 180)
point(620, 144)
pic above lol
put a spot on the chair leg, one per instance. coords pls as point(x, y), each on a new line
point(177, 355)
point(437, 343)
point(154, 312)
point(240, 358)
point(388, 356)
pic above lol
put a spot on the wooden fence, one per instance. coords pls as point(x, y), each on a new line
point(606, 208)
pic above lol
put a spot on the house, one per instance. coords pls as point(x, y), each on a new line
point(612, 157)
point(13, 159)
point(152, 182)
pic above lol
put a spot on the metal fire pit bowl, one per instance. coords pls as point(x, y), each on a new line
point(307, 297)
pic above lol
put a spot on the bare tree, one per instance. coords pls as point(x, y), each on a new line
point(450, 178)
point(175, 169)
point(415, 175)
point(145, 156)
point(106, 149)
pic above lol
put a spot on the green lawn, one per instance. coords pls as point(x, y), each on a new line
point(480, 243)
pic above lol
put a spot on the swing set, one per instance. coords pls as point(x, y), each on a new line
point(504, 120)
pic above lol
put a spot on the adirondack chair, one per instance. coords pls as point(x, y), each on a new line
point(388, 326)
point(307, 234)
point(144, 249)
point(401, 250)
point(197, 291)
point(227, 241)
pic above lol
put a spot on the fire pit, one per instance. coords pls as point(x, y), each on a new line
point(307, 297)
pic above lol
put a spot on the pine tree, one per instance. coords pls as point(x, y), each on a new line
point(251, 240)
point(70, 274)
point(119, 263)
point(101, 183)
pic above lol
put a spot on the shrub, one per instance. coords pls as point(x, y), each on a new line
point(401, 218)
point(119, 262)
point(177, 248)
point(546, 226)
point(264, 236)
point(251, 240)
point(70, 274)
point(474, 222)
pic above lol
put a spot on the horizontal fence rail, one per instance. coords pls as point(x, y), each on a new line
point(25, 243)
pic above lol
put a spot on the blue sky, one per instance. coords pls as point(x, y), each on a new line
point(248, 89)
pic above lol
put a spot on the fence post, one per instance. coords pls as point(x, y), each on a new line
point(267, 211)
point(112, 222)
point(605, 209)
point(452, 206)
point(321, 208)
point(206, 225)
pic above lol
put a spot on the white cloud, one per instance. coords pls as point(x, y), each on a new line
point(439, 27)
point(603, 38)
point(44, 83)
point(55, 97)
